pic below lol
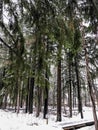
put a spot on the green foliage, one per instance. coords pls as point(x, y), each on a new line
point(38, 34)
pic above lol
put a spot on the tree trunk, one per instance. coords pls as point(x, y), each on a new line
point(46, 97)
point(78, 88)
point(95, 91)
point(46, 103)
point(54, 96)
point(59, 91)
point(90, 85)
point(18, 100)
point(18, 94)
point(5, 100)
point(70, 92)
point(31, 89)
point(21, 99)
point(74, 94)
point(93, 104)
point(27, 98)
point(70, 83)
point(38, 102)
point(86, 97)
point(1, 10)
point(26, 109)
point(64, 103)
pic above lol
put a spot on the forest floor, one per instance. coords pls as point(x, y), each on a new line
point(9, 120)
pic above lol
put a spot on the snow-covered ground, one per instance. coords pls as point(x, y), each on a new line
point(11, 121)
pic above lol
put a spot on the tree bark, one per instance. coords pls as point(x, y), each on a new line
point(54, 95)
point(74, 93)
point(38, 102)
point(27, 98)
point(70, 90)
point(31, 89)
point(70, 84)
point(59, 91)
point(78, 88)
point(1, 10)
point(5, 100)
point(18, 93)
point(46, 97)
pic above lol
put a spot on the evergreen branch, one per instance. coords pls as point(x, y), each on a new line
point(7, 45)
point(3, 26)
point(3, 58)
point(95, 5)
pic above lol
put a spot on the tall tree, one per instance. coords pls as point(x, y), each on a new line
point(78, 88)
